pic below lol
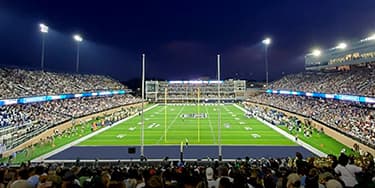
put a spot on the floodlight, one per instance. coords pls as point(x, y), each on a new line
point(43, 28)
point(316, 52)
point(77, 38)
point(341, 46)
point(266, 41)
point(372, 37)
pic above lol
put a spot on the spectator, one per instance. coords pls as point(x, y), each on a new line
point(358, 81)
point(347, 172)
point(352, 119)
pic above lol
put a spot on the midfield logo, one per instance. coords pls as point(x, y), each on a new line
point(200, 115)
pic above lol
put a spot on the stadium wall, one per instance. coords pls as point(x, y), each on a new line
point(349, 142)
point(62, 127)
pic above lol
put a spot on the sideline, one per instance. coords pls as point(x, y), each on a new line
point(66, 146)
point(287, 135)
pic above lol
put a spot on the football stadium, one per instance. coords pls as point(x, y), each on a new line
point(309, 128)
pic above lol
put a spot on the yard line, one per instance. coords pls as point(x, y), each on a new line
point(162, 136)
point(211, 128)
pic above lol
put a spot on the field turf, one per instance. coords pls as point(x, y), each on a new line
point(236, 129)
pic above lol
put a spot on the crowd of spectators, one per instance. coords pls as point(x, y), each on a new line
point(291, 172)
point(29, 119)
point(357, 81)
point(354, 119)
point(52, 112)
point(19, 82)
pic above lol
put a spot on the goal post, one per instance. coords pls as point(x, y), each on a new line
point(198, 97)
point(165, 114)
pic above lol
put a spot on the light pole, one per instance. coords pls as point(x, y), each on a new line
point(218, 109)
point(143, 98)
point(44, 31)
point(78, 39)
point(266, 42)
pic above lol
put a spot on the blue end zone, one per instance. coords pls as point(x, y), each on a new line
point(173, 152)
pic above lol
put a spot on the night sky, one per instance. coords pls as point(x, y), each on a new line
point(179, 37)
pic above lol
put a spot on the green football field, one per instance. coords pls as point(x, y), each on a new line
point(236, 130)
point(173, 124)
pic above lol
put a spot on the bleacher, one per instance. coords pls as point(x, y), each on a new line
point(354, 119)
point(358, 81)
point(20, 122)
point(19, 83)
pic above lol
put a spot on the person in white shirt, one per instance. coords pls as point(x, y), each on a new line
point(347, 171)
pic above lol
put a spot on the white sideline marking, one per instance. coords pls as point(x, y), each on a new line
point(290, 137)
point(66, 146)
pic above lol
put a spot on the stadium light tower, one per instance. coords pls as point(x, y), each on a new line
point(316, 52)
point(341, 45)
point(266, 42)
point(371, 37)
point(44, 31)
point(78, 39)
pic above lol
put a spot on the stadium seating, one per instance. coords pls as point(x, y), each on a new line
point(354, 120)
point(24, 121)
point(18, 83)
point(20, 122)
point(358, 81)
